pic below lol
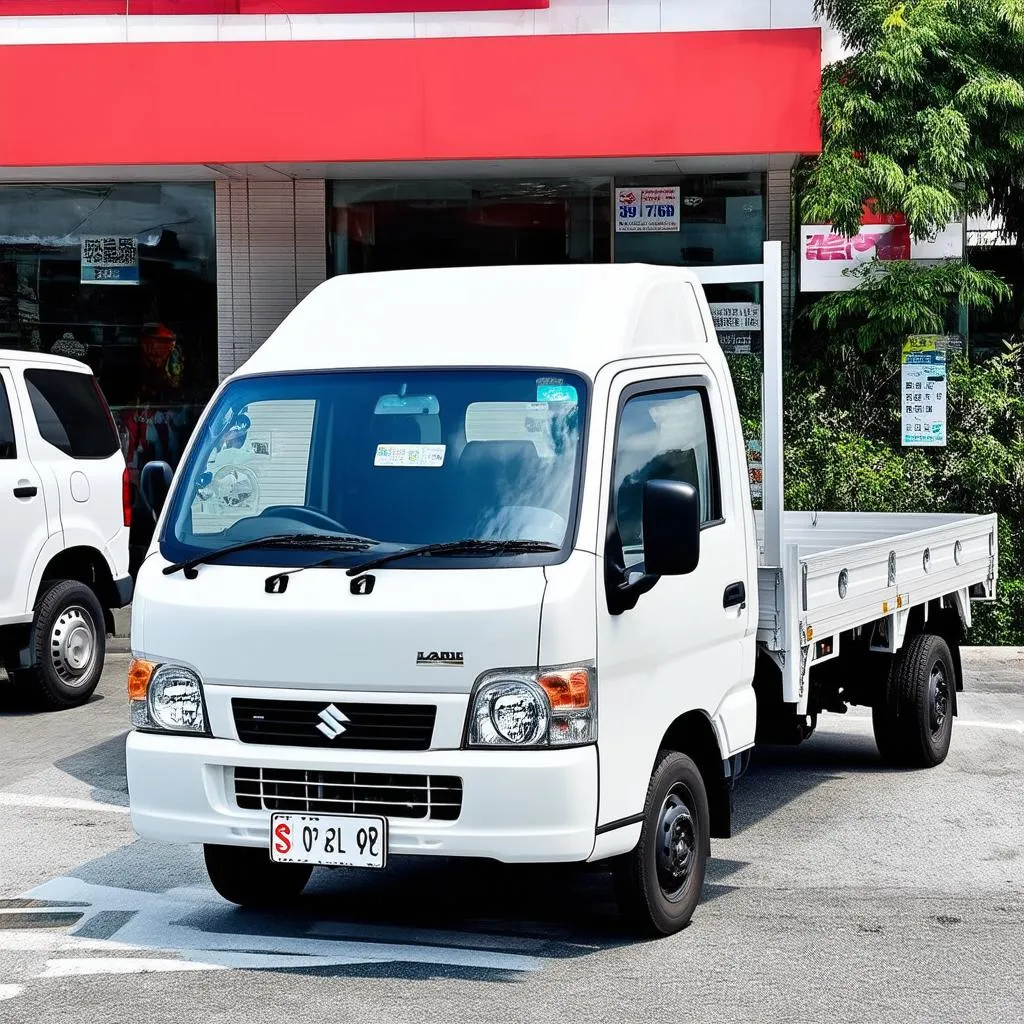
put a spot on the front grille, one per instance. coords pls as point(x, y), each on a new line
point(295, 723)
point(437, 797)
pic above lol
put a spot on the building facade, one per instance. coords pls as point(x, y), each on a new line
point(176, 174)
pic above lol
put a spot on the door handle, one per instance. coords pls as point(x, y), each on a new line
point(735, 594)
point(24, 491)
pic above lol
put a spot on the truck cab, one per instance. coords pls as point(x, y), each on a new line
point(459, 563)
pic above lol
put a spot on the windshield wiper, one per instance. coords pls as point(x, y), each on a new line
point(458, 547)
point(340, 542)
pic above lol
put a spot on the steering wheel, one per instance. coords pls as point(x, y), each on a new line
point(304, 514)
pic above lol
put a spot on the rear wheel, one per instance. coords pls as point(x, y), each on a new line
point(660, 882)
point(67, 647)
point(914, 724)
point(247, 876)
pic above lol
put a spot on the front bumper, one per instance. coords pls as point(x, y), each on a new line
point(517, 805)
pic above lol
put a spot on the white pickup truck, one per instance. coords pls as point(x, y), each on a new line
point(464, 563)
point(65, 513)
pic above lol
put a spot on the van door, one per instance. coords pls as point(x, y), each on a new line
point(22, 509)
point(74, 440)
point(684, 646)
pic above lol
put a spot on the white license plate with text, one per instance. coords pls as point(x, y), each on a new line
point(333, 840)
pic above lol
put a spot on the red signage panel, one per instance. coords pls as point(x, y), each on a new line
point(459, 98)
point(32, 8)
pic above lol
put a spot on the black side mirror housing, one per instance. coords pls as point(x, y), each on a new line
point(671, 532)
point(671, 518)
point(154, 485)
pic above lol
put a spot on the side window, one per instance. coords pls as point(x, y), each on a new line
point(261, 459)
point(8, 449)
point(71, 413)
point(664, 435)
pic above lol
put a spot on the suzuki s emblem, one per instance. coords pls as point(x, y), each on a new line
point(332, 722)
point(452, 658)
point(362, 585)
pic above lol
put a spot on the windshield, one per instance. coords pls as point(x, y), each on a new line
point(399, 458)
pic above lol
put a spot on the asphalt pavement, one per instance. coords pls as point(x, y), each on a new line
point(850, 892)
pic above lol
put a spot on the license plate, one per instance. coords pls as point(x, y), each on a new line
point(334, 840)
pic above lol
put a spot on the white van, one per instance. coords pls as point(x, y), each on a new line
point(65, 513)
point(464, 563)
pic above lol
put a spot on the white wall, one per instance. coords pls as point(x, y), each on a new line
point(563, 17)
point(271, 252)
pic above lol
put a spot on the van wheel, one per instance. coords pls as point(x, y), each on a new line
point(247, 876)
point(660, 882)
point(914, 724)
point(67, 647)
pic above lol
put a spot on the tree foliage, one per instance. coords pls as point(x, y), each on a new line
point(926, 116)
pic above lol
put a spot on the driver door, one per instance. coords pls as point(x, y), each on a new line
point(685, 644)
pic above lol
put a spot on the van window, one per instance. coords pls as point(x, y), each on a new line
point(393, 458)
point(665, 435)
point(8, 449)
point(71, 413)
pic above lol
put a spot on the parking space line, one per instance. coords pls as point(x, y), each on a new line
point(58, 803)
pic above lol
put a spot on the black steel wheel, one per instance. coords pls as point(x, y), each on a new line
point(659, 883)
point(914, 723)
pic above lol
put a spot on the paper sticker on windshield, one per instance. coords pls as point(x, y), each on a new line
point(427, 455)
point(557, 393)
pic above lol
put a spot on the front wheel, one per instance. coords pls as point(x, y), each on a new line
point(914, 724)
point(67, 647)
point(660, 882)
point(247, 876)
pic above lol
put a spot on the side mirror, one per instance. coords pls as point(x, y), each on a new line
point(671, 533)
point(154, 484)
point(671, 518)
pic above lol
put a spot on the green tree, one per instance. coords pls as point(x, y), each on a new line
point(925, 117)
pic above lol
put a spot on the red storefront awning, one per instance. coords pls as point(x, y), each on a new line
point(479, 98)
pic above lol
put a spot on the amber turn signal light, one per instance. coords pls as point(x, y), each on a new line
point(139, 675)
point(567, 689)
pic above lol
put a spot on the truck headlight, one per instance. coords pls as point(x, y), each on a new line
point(552, 707)
point(166, 697)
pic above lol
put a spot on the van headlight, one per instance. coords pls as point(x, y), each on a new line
point(168, 698)
point(551, 707)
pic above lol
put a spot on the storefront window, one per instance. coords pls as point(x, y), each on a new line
point(691, 220)
point(413, 224)
point(122, 277)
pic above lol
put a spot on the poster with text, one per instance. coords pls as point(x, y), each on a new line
point(110, 260)
point(647, 209)
point(923, 392)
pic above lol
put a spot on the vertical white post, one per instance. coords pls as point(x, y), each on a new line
point(773, 492)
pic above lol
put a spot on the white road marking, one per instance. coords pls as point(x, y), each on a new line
point(9, 991)
point(154, 926)
point(58, 803)
point(970, 723)
point(73, 968)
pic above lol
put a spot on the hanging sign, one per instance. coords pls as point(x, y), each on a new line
point(646, 209)
point(736, 316)
point(824, 254)
point(755, 469)
point(110, 259)
point(924, 391)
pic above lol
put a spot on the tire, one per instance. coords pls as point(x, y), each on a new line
point(658, 887)
point(67, 646)
point(246, 875)
point(914, 724)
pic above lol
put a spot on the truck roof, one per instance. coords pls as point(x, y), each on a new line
point(15, 355)
point(574, 317)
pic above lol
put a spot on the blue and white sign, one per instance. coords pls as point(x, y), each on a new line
point(110, 259)
point(924, 391)
point(646, 209)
